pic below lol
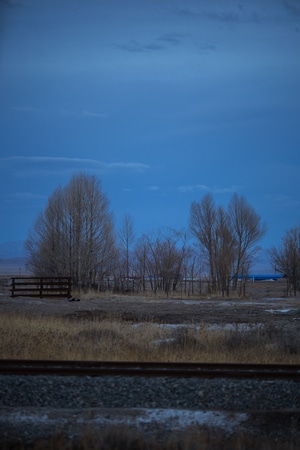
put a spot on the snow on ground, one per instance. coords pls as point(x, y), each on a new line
point(177, 419)
point(211, 327)
point(229, 303)
point(184, 418)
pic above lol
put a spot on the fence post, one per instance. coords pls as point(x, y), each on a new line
point(69, 287)
point(12, 287)
point(41, 287)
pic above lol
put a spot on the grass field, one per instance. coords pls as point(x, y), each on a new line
point(41, 337)
point(93, 337)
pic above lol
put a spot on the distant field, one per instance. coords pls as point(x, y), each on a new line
point(13, 266)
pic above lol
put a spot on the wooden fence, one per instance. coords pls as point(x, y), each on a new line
point(41, 287)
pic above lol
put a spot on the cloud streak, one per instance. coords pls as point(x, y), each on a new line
point(226, 16)
point(283, 200)
point(152, 188)
point(204, 188)
point(166, 42)
point(27, 165)
point(62, 112)
point(84, 113)
point(292, 9)
point(134, 46)
point(26, 109)
point(173, 38)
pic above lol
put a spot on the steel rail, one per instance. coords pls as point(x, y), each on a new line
point(158, 369)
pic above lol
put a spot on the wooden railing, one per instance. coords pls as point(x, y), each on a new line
point(41, 287)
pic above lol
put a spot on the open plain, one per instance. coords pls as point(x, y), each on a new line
point(265, 303)
point(265, 308)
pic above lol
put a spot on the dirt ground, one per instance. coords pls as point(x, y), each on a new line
point(265, 303)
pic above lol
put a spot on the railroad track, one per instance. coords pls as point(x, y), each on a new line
point(151, 369)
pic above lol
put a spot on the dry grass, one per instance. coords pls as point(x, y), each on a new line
point(40, 337)
point(49, 337)
point(124, 439)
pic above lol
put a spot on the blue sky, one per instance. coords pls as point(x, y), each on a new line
point(163, 100)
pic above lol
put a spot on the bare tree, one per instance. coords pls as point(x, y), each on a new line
point(225, 249)
point(228, 239)
point(74, 234)
point(286, 258)
point(45, 245)
point(192, 268)
point(141, 260)
point(203, 227)
point(248, 230)
point(126, 238)
point(160, 259)
point(170, 248)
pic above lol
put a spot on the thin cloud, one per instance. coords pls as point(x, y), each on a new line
point(153, 188)
point(8, 3)
point(205, 188)
point(173, 38)
point(284, 200)
point(292, 9)
point(94, 114)
point(132, 166)
point(63, 112)
point(186, 12)
point(205, 47)
point(138, 47)
point(193, 188)
point(227, 16)
point(28, 165)
point(84, 113)
point(222, 16)
point(224, 190)
point(26, 109)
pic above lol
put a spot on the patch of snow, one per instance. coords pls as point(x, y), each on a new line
point(171, 418)
point(234, 327)
point(275, 299)
point(189, 302)
point(163, 341)
point(211, 327)
point(17, 417)
point(181, 418)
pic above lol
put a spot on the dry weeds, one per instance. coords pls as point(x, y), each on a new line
point(114, 329)
point(124, 439)
point(50, 337)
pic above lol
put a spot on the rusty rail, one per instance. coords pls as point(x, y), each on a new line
point(158, 369)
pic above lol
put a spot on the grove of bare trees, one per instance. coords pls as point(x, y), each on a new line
point(228, 240)
point(286, 258)
point(74, 235)
point(160, 259)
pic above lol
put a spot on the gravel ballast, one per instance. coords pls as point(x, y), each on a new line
point(144, 392)
point(35, 407)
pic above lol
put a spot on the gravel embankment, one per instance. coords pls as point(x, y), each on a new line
point(135, 392)
point(38, 406)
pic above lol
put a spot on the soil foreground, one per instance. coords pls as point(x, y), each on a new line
point(265, 304)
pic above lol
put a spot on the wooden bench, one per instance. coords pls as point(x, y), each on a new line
point(41, 287)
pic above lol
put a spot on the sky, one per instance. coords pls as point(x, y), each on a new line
point(163, 100)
